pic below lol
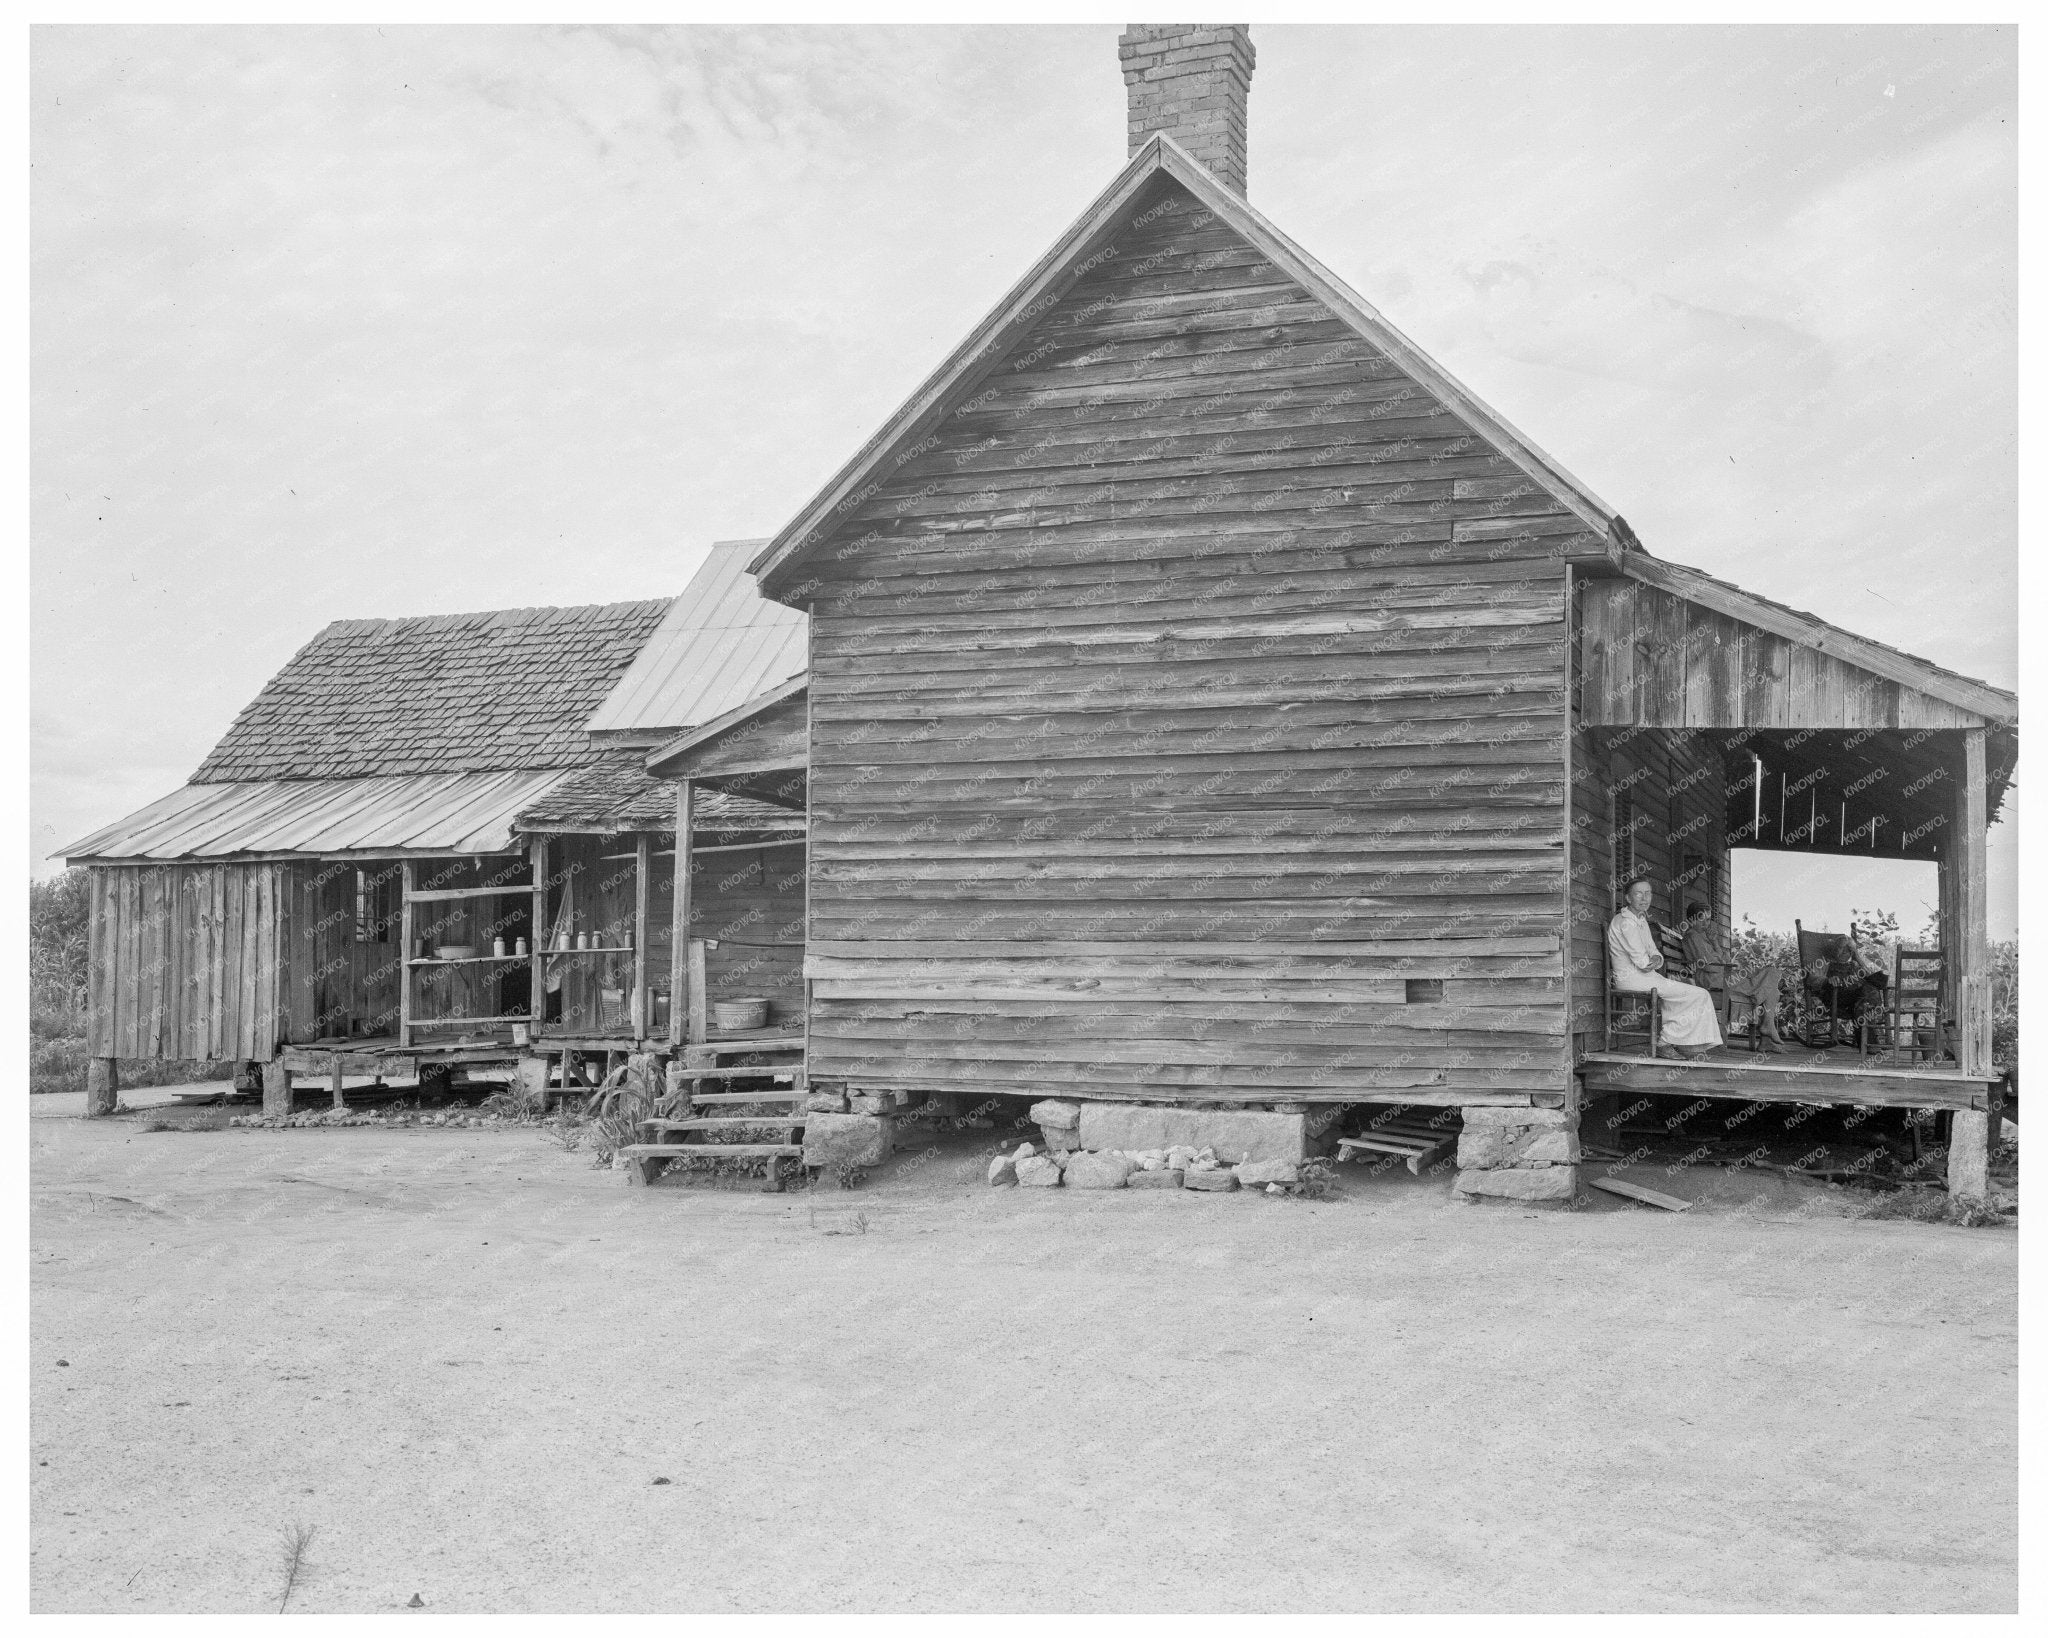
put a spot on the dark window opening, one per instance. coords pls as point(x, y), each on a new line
point(1425, 989)
point(1626, 862)
point(376, 904)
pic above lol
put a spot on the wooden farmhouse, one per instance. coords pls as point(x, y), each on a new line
point(1191, 701)
point(431, 845)
point(1210, 702)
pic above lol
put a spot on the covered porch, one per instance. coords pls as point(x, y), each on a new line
point(754, 757)
point(1707, 720)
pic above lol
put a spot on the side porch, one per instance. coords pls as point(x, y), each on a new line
point(1707, 720)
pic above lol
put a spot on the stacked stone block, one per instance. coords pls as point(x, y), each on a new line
point(1512, 1153)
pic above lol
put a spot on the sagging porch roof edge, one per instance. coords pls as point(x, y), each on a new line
point(987, 343)
point(661, 761)
point(1996, 706)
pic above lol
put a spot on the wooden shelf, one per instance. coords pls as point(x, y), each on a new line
point(441, 894)
point(460, 961)
point(595, 949)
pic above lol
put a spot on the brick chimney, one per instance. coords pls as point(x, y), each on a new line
point(1191, 80)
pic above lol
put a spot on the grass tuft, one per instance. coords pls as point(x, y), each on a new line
point(297, 1538)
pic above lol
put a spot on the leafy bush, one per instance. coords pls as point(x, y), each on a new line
point(59, 944)
point(1753, 949)
point(2005, 1003)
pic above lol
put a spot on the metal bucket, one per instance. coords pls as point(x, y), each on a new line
point(750, 1013)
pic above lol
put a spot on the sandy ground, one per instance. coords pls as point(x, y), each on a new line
point(466, 1358)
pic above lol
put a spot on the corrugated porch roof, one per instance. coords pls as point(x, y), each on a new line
point(406, 813)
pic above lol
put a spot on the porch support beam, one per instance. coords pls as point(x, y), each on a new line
point(1970, 1132)
point(643, 885)
point(1973, 939)
point(679, 936)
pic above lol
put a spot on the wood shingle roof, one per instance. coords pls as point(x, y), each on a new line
point(446, 693)
point(616, 793)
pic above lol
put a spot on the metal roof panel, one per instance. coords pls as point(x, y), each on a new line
point(428, 813)
point(719, 645)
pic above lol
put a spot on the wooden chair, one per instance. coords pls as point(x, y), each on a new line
point(1713, 978)
point(1812, 947)
point(1640, 1013)
point(1911, 1030)
point(1633, 1014)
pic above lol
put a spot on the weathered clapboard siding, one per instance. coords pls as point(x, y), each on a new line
point(182, 962)
point(1196, 687)
point(1654, 658)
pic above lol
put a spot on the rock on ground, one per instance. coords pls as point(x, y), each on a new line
point(1166, 1177)
point(1097, 1171)
point(1002, 1169)
point(1213, 1179)
point(847, 1140)
point(1257, 1173)
point(1038, 1172)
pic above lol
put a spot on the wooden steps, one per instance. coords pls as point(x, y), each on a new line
point(779, 1071)
point(1411, 1137)
point(698, 1133)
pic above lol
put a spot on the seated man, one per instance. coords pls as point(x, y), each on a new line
point(1690, 1027)
point(1849, 978)
point(1712, 965)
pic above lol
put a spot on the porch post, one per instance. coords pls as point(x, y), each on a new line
point(1945, 928)
point(406, 970)
point(1973, 937)
point(643, 882)
point(679, 935)
point(102, 1086)
point(1969, 1143)
point(536, 943)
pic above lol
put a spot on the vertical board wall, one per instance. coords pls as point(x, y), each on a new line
point(184, 961)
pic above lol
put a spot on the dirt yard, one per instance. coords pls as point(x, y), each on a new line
point(495, 1378)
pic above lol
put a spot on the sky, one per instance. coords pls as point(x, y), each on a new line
point(338, 322)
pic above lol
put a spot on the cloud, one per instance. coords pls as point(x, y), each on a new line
point(1546, 306)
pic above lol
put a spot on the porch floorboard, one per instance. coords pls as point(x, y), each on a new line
point(1787, 1080)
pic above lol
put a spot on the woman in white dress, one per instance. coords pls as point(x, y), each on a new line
point(1690, 1027)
